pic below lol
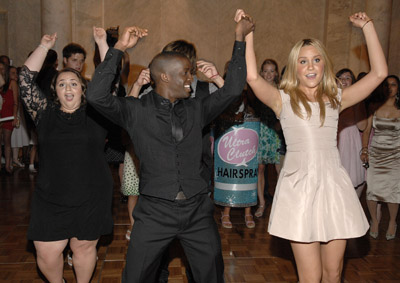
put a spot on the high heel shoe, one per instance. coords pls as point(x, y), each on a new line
point(17, 163)
point(391, 236)
point(373, 235)
point(128, 235)
point(69, 259)
point(260, 210)
point(249, 223)
point(32, 168)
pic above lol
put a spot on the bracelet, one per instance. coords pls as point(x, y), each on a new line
point(214, 76)
point(364, 150)
point(370, 20)
point(44, 47)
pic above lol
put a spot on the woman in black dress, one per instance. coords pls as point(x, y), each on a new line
point(72, 199)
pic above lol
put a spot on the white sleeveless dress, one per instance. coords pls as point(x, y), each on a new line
point(314, 200)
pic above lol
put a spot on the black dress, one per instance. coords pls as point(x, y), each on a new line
point(73, 194)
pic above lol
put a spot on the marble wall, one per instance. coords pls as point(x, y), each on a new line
point(23, 28)
point(208, 24)
point(394, 43)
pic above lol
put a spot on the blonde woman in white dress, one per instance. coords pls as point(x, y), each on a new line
point(315, 205)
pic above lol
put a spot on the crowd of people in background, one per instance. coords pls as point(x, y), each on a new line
point(57, 118)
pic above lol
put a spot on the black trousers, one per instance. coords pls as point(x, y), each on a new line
point(158, 222)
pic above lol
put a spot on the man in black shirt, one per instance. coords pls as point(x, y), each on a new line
point(166, 130)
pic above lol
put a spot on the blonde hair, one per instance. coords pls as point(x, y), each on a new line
point(327, 87)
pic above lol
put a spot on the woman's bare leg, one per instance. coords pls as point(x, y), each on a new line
point(260, 190)
point(84, 258)
point(50, 259)
point(393, 209)
point(332, 254)
point(132, 200)
point(308, 261)
point(372, 207)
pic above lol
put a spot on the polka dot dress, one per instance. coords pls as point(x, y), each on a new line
point(130, 178)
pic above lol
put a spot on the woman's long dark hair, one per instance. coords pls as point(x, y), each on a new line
point(6, 77)
point(397, 103)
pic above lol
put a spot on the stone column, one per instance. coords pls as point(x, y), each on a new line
point(381, 12)
point(57, 17)
point(394, 54)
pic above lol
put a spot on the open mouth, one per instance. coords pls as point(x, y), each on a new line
point(311, 76)
point(69, 97)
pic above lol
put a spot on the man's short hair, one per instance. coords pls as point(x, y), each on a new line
point(51, 58)
point(5, 59)
point(184, 47)
point(157, 65)
point(73, 48)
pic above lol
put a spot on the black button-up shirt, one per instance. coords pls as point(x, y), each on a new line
point(167, 163)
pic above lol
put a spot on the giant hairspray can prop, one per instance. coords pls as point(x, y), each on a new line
point(236, 165)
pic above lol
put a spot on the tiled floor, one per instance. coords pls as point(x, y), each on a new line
point(250, 255)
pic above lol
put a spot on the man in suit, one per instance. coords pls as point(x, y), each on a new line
point(166, 130)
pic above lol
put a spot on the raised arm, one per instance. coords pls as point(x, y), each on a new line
point(267, 93)
point(144, 78)
point(361, 89)
point(210, 71)
point(235, 79)
point(35, 61)
point(30, 94)
point(100, 37)
point(130, 38)
point(98, 93)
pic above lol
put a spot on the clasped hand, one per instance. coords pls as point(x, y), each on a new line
point(130, 37)
point(245, 24)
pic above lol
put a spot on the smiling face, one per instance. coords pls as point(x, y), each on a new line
point(346, 79)
point(269, 73)
point(180, 78)
point(310, 68)
point(69, 91)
